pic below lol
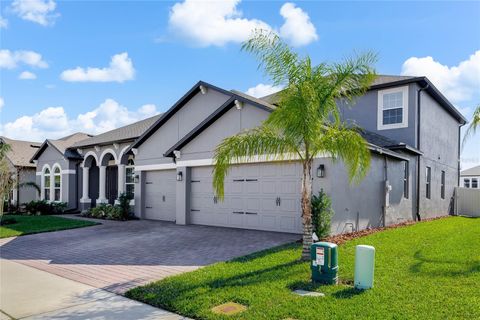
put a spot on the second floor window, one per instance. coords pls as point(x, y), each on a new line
point(428, 182)
point(392, 108)
point(475, 183)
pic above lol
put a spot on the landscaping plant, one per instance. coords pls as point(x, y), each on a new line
point(306, 121)
point(6, 179)
point(43, 207)
point(322, 214)
point(124, 205)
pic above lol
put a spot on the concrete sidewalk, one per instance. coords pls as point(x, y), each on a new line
point(28, 293)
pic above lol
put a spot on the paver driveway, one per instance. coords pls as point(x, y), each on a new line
point(117, 256)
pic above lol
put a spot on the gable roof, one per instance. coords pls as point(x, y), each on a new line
point(125, 133)
point(384, 81)
point(234, 95)
point(62, 145)
point(20, 151)
point(475, 171)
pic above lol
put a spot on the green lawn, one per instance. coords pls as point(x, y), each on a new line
point(430, 270)
point(37, 224)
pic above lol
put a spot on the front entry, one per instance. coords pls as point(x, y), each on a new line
point(111, 184)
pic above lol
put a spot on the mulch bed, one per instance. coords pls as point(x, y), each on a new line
point(342, 238)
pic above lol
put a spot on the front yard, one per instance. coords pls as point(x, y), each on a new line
point(430, 270)
point(36, 224)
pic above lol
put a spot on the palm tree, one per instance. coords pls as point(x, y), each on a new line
point(472, 128)
point(306, 122)
point(6, 181)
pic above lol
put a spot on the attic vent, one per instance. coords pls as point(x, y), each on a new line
point(34, 146)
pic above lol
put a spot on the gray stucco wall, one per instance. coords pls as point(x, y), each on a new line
point(27, 194)
point(182, 122)
point(50, 157)
point(360, 206)
point(364, 113)
point(439, 138)
point(232, 122)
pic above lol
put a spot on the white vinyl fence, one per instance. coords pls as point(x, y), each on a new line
point(467, 202)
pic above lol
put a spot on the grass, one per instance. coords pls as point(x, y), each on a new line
point(36, 224)
point(430, 270)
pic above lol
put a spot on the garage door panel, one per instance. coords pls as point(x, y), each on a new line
point(257, 196)
point(160, 195)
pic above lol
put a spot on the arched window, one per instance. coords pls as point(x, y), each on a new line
point(130, 177)
point(46, 184)
point(57, 184)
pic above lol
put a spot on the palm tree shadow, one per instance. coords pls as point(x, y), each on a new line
point(421, 260)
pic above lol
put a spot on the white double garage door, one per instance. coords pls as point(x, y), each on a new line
point(264, 196)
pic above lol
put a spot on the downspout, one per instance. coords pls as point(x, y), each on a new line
point(419, 91)
point(385, 190)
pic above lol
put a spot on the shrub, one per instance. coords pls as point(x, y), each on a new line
point(43, 207)
point(322, 214)
point(124, 205)
point(105, 211)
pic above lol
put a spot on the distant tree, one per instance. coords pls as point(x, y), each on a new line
point(6, 179)
point(306, 122)
point(472, 128)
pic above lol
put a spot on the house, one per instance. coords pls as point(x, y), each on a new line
point(57, 169)
point(470, 178)
point(166, 162)
point(19, 163)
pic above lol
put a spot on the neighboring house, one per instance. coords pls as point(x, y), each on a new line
point(470, 178)
point(18, 160)
point(57, 169)
point(166, 162)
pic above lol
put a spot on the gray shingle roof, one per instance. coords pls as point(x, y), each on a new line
point(381, 79)
point(128, 132)
point(475, 171)
point(21, 151)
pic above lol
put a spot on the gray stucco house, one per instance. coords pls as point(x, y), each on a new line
point(166, 162)
point(22, 169)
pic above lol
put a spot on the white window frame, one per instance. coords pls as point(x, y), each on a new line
point(44, 197)
point(404, 123)
point(52, 182)
point(476, 181)
point(132, 166)
point(466, 181)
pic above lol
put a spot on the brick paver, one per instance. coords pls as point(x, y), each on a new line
point(117, 256)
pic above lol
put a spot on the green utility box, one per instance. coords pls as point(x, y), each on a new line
point(324, 262)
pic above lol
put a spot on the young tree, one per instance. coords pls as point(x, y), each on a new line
point(306, 122)
point(6, 180)
point(472, 128)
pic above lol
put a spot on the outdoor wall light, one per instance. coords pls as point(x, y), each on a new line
point(321, 171)
point(179, 176)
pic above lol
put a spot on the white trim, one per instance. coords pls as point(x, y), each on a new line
point(104, 153)
point(52, 183)
point(381, 93)
point(38, 173)
point(90, 153)
point(121, 154)
point(195, 163)
point(69, 171)
point(149, 167)
point(88, 200)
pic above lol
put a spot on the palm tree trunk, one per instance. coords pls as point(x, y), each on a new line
point(307, 209)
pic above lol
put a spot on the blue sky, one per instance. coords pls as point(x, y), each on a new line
point(163, 48)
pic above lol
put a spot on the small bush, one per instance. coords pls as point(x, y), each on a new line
point(43, 207)
point(105, 211)
point(124, 205)
point(322, 214)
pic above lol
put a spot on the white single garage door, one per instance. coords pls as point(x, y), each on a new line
point(263, 196)
point(160, 187)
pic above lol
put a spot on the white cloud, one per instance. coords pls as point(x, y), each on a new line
point(11, 59)
point(297, 29)
point(458, 83)
point(262, 90)
point(217, 23)
point(27, 75)
point(3, 22)
point(120, 69)
point(2, 103)
point(38, 11)
point(53, 122)
point(212, 22)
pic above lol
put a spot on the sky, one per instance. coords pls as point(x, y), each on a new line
point(92, 66)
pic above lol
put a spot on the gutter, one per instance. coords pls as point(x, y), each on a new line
point(419, 91)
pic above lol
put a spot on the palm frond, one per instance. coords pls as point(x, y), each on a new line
point(30, 184)
point(472, 128)
point(262, 141)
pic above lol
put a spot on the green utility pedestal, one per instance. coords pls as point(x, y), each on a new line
point(324, 262)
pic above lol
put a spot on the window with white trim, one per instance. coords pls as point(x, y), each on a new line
point(405, 179)
point(130, 178)
point(475, 183)
point(392, 108)
point(46, 184)
point(466, 183)
point(57, 184)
